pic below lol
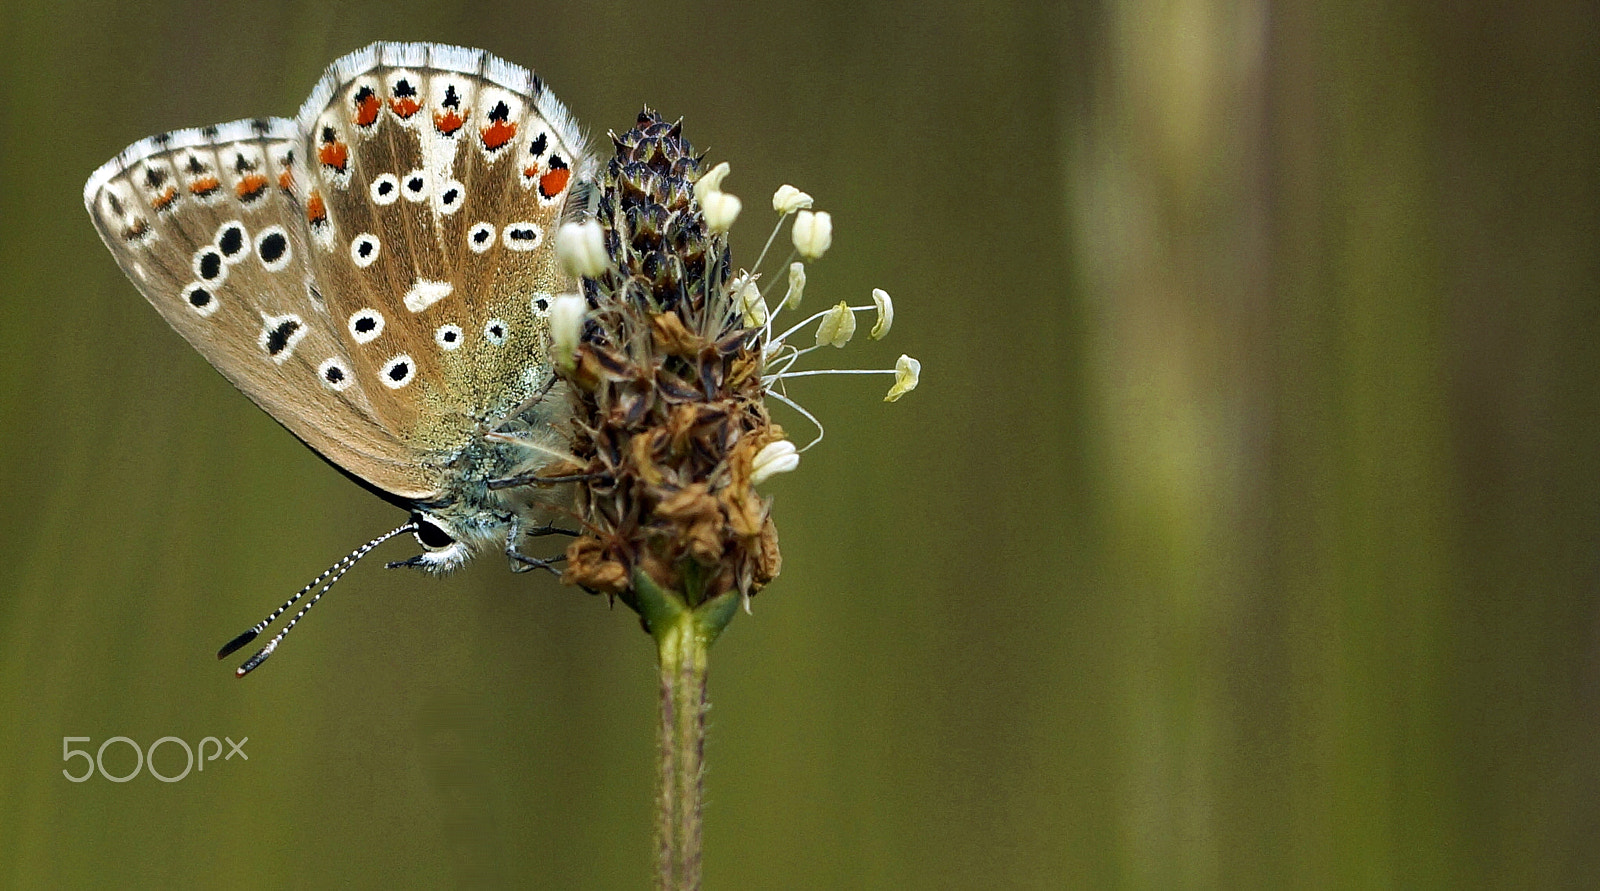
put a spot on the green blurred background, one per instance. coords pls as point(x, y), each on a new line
point(1245, 531)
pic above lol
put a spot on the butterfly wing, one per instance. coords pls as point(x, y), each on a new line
point(209, 225)
point(438, 176)
point(374, 274)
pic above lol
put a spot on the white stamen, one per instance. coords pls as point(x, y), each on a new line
point(837, 327)
point(774, 457)
point(566, 326)
point(906, 372)
point(789, 199)
point(711, 181)
point(582, 248)
point(797, 285)
point(813, 233)
point(721, 210)
point(885, 314)
point(748, 299)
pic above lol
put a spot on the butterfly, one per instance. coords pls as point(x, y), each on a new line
point(376, 273)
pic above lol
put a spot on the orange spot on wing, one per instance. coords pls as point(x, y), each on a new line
point(498, 134)
point(530, 172)
point(367, 110)
point(334, 154)
point(251, 187)
point(448, 122)
point(165, 199)
point(316, 210)
point(404, 106)
point(135, 230)
point(205, 185)
point(554, 182)
point(286, 181)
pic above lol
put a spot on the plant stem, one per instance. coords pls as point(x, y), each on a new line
point(683, 651)
point(683, 630)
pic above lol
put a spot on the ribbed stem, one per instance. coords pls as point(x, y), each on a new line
point(683, 651)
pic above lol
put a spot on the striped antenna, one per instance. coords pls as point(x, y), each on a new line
point(336, 571)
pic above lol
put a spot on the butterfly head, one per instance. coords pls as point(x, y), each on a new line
point(444, 546)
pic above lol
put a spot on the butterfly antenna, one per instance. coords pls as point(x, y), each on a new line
point(336, 571)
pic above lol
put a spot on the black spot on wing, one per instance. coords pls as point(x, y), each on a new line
point(278, 338)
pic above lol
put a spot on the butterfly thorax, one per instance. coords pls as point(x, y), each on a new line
point(478, 515)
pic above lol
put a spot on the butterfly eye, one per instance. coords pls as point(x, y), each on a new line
point(335, 375)
point(366, 325)
point(523, 236)
point(398, 372)
point(430, 536)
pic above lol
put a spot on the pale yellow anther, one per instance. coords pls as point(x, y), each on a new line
point(566, 327)
point(880, 330)
point(838, 325)
point(711, 181)
point(582, 248)
point(774, 457)
point(748, 298)
point(789, 199)
point(813, 233)
point(797, 284)
point(906, 372)
point(721, 210)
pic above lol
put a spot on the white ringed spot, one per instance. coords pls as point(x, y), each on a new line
point(231, 240)
point(364, 249)
point(398, 372)
point(448, 337)
point(272, 246)
point(540, 304)
point(209, 266)
point(523, 236)
point(385, 189)
point(334, 374)
point(449, 197)
point(415, 185)
point(280, 335)
point(496, 331)
point(366, 325)
point(480, 237)
point(200, 299)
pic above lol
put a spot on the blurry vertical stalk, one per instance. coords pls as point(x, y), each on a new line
point(1253, 189)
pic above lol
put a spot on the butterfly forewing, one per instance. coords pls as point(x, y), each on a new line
point(208, 225)
point(438, 174)
point(375, 274)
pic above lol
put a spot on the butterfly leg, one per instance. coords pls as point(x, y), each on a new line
point(521, 562)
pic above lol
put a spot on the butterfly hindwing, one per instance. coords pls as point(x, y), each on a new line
point(440, 174)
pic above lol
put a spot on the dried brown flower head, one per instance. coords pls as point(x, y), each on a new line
point(667, 390)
